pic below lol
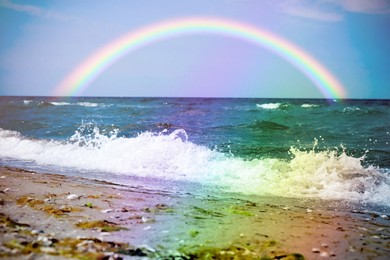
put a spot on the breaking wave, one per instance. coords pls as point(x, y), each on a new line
point(83, 104)
point(171, 156)
point(269, 105)
point(309, 105)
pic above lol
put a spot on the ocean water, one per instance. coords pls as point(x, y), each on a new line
point(301, 148)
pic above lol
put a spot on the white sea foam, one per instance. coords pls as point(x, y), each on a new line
point(27, 102)
point(351, 109)
point(84, 104)
point(60, 103)
point(171, 156)
point(308, 105)
point(87, 104)
point(269, 105)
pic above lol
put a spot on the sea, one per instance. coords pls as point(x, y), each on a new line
point(336, 150)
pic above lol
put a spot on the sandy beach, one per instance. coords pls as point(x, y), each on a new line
point(52, 216)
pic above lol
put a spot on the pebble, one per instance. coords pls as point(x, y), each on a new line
point(15, 251)
point(73, 197)
point(48, 250)
point(146, 219)
point(324, 245)
point(324, 254)
point(45, 241)
point(106, 210)
point(315, 250)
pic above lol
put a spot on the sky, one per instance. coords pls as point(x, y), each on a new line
point(42, 41)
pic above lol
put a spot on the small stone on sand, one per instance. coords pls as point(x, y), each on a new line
point(72, 197)
point(315, 250)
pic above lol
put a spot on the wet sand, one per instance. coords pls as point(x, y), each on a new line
point(52, 216)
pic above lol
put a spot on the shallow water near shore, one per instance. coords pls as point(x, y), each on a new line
point(55, 215)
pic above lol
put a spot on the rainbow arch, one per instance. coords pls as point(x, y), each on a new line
point(87, 71)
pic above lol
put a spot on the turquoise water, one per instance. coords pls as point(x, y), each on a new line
point(285, 147)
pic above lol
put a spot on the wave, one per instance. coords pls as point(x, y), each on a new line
point(83, 104)
point(351, 109)
point(27, 102)
point(40, 103)
point(171, 156)
point(60, 103)
point(269, 105)
point(308, 105)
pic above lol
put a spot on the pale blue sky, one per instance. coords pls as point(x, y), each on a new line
point(42, 41)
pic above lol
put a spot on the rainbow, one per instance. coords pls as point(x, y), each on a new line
point(83, 75)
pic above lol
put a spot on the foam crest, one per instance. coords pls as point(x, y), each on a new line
point(87, 104)
point(329, 175)
point(269, 105)
point(309, 105)
point(83, 104)
point(171, 156)
point(351, 109)
point(88, 135)
point(60, 103)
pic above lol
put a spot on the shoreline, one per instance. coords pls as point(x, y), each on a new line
point(45, 216)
